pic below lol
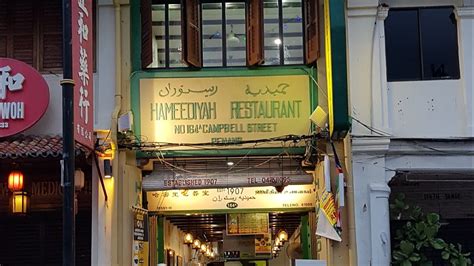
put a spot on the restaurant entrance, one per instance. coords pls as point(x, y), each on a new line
point(206, 218)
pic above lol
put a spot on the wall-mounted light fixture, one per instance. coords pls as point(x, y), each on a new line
point(203, 248)
point(283, 236)
point(188, 239)
point(278, 242)
point(107, 168)
point(197, 244)
point(20, 203)
point(15, 181)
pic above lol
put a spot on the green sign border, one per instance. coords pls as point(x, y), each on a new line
point(138, 74)
point(340, 102)
point(210, 73)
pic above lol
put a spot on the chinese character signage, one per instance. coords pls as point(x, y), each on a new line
point(302, 197)
point(82, 62)
point(24, 96)
point(224, 110)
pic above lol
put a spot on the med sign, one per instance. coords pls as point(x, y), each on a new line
point(24, 96)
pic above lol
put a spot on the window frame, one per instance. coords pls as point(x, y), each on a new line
point(39, 40)
point(224, 51)
point(421, 67)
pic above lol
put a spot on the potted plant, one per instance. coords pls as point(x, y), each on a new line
point(418, 236)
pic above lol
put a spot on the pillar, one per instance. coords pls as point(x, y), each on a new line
point(465, 20)
point(379, 223)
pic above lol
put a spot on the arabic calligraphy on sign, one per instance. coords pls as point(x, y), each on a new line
point(232, 199)
point(171, 91)
point(280, 89)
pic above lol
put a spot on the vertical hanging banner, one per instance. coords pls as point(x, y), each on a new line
point(140, 237)
point(82, 62)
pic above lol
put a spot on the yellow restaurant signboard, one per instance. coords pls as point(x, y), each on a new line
point(224, 110)
point(248, 198)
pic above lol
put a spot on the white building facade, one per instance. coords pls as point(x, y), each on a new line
point(410, 72)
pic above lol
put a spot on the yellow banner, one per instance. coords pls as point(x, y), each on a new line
point(224, 110)
point(328, 206)
point(232, 199)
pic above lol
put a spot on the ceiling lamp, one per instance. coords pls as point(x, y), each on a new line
point(197, 244)
point(231, 36)
point(203, 248)
point(15, 181)
point(212, 255)
point(20, 203)
point(188, 239)
point(283, 236)
point(278, 243)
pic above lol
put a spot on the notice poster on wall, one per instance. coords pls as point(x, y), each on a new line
point(247, 223)
point(140, 239)
point(263, 244)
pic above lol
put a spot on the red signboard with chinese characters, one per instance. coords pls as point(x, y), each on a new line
point(24, 96)
point(82, 62)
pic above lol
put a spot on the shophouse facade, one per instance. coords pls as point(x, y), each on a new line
point(176, 64)
point(410, 66)
point(31, 42)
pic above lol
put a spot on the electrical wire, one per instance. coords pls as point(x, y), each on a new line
point(143, 145)
point(372, 129)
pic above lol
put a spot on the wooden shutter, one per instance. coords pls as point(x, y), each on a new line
point(191, 32)
point(22, 32)
point(3, 28)
point(147, 32)
point(51, 36)
point(254, 25)
point(311, 31)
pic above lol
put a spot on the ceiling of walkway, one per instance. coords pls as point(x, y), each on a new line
point(211, 227)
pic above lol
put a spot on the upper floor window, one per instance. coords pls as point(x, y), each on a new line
point(421, 44)
point(31, 31)
point(222, 33)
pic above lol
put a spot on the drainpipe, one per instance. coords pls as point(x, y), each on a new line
point(118, 244)
point(350, 201)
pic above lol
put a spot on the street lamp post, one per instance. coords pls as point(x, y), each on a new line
point(67, 83)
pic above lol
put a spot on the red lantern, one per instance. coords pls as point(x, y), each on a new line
point(15, 181)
